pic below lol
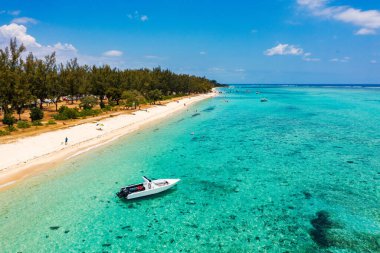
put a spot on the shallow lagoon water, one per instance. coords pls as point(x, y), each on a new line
point(300, 173)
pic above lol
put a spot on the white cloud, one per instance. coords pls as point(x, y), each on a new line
point(64, 51)
point(136, 16)
point(113, 53)
point(292, 22)
point(16, 31)
point(284, 49)
point(7, 32)
point(254, 31)
point(202, 53)
point(307, 57)
point(343, 60)
point(239, 70)
point(14, 13)
point(311, 59)
point(65, 47)
point(373, 61)
point(216, 69)
point(365, 31)
point(312, 3)
point(24, 20)
point(151, 57)
point(368, 21)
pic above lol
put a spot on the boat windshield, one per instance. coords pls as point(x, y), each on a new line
point(146, 179)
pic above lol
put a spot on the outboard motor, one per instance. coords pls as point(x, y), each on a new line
point(123, 193)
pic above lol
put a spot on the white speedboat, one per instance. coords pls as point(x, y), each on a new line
point(148, 187)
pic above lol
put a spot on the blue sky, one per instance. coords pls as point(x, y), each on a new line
point(278, 41)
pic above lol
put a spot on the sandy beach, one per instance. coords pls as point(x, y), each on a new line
point(28, 156)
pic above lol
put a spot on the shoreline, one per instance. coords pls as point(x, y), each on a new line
point(29, 156)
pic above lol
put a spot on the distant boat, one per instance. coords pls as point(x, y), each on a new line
point(264, 100)
point(257, 92)
point(148, 187)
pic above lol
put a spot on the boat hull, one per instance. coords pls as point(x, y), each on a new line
point(154, 188)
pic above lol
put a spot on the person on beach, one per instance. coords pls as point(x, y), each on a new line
point(66, 140)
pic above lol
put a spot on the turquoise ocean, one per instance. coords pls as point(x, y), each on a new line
point(299, 173)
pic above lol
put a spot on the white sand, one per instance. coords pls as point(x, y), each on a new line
point(16, 158)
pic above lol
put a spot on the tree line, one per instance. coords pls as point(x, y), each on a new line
point(27, 82)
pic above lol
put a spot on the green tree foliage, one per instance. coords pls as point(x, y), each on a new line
point(154, 95)
point(88, 102)
point(133, 98)
point(55, 85)
point(42, 75)
point(23, 124)
point(73, 78)
point(28, 81)
point(36, 114)
point(114, 94)
point(11, 75)
point(65, 113)
point(9, 120)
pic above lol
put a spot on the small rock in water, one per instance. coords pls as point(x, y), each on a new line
point(54, 227)
point(119, 237)
point(232, 217)
point(321, 226)
point(350, 161)
point(307, 194)
point(190, 203)
point(106, 244)
point(66, 231)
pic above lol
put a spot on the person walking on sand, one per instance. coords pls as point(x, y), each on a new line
point(66, 140)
